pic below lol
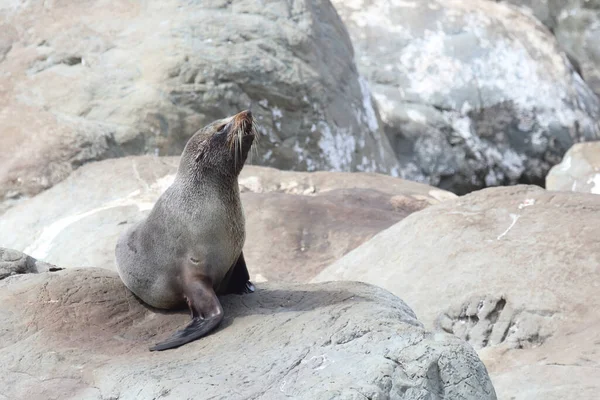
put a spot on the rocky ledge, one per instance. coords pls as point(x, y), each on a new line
point(79, 334)
point(513, 270)
point(310, 219)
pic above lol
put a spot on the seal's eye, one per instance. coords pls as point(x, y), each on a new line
point(222, 129)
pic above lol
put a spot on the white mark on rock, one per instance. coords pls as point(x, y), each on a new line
point(526, 203)
point(258, 278)
point(321, 362)
point(137, 175)
point(338, 147)
point(41, 247)
point(595, 180)
point(514, 217)
point(370, 115)
point(276, 112)
point(251, 183)
point(416, 116)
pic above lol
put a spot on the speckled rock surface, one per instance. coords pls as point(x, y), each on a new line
point(79, 334)
point(514, 271)
point(579, 170)
point(576, 24)
point(472, 93)
point(84, 81)
point(297, 223)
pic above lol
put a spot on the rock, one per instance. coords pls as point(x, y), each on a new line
point(546, 11)
point(14, 262)
point(79, 333)
point(579, 170)
point(514, 271)
point(471, 93)
point(577, 31)
point(297, 223)
point(576, 24)
point(89, 81)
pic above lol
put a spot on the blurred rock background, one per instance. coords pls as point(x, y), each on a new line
point(457, 94)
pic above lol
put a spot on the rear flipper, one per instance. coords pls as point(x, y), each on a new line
point(207, 314)
point(237, 280)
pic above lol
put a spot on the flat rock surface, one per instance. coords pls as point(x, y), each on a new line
point(85, 81)
point(297, 223)
point(79, 334)
point(471, 93)
point(514, 271)
point(579, 171)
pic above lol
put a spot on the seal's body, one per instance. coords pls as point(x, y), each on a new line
point(189, 248)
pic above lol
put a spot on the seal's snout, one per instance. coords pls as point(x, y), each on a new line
point(246, 114)
point(244, 122)
point(243, 118)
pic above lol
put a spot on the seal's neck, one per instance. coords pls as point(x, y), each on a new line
point(225, 185)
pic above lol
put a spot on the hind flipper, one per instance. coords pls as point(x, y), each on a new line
point(237, 280)
point(207, 314)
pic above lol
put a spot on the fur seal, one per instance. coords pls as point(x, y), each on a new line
point(189, 248)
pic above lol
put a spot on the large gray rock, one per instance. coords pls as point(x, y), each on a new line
point(472, 93)
point(94, 80)
point(514, 271)
point(579, 170)
point(546, 11)
point(576, 24)
point(297, 222)
point(79, 334)
point(578, 32)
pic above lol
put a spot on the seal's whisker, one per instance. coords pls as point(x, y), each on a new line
point(239, 141)
point(255, 132)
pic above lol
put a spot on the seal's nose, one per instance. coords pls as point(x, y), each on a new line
point(244, 121)
point(244, 115)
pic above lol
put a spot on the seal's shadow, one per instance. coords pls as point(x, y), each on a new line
point(265, 301)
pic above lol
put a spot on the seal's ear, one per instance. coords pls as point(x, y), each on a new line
point(199, 156)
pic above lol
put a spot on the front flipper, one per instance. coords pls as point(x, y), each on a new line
point(207, 314)
point(237, 280)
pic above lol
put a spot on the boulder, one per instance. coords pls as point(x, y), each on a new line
point(79, 333)
point(577, 31)
point(514, 271)
point(84, 81)
point(471, 93)
point(546, 11)
point(297, 222)
point(576, 24)
point(579, 170)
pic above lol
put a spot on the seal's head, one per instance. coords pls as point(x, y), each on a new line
point(221, 148)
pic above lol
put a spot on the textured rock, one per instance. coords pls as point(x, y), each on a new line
point(297, 223)
point(79, 334)
point(546, 11)
point(14, 262)
point(579, 170)
point(472, 93)
point(577, 31)
point(514, 271)
point(576, 24)
point(83, 81)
